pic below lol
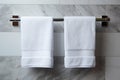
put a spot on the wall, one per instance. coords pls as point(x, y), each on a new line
point(107, 43)
point(87, 2)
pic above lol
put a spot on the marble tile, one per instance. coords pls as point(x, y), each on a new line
point(114, 13)
point(108, 44)
point(59, 71)
point(112, 62)
point(29, 1)
point(113, 2)
point(100, 2)
point(90, 74)
point(10, 44)
point(10, 70)
point(73, 2)
point(83, 2)
point(35, 74)
point(5, 13)
point(90, 2)
point(112, 74)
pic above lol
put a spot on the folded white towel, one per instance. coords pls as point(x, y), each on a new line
point(37, 42)
point(79, 42)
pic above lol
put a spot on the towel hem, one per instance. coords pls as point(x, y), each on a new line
point(37, 62)
point(80, 62)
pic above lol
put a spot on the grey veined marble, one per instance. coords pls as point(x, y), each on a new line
point(10, 69)
point(6, 11)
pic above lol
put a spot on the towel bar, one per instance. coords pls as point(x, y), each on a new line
point(105, 19)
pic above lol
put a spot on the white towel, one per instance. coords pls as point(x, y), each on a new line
point(79, 42)
point(37, 42)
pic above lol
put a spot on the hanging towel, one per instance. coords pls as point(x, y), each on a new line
point(37, 42)
point(79, 38)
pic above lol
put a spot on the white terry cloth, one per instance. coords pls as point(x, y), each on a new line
point(37, 42)
point(79, 38)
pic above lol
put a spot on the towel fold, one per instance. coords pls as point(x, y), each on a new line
point(79, 37)
point(37, 42)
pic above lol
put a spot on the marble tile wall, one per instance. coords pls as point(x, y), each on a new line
point(10, 69)
point(60, 11)
point(10, 65)
point(83, 2)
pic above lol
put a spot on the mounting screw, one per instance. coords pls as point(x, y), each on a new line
point(105, 23)
point(15, 23)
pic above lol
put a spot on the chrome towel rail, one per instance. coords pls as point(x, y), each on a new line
point(105, 19)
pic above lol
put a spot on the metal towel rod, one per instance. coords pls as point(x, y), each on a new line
point(105, 19)
point(61, 19)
